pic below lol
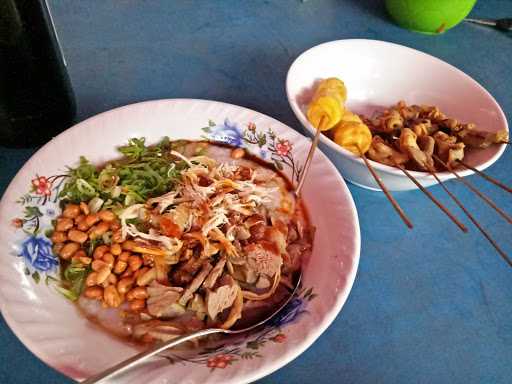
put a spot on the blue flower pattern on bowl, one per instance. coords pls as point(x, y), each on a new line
point(228, 133)
point(37, 252)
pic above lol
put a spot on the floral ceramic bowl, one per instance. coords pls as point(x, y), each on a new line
point(51, 327)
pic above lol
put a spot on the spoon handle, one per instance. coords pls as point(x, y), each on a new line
point(132, 361)
point(504, 24)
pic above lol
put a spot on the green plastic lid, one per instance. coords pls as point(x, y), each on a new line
point(429, 16)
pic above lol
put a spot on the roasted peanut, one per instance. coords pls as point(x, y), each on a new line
point(58, 237)
point(111, 297)
point(237, 153)
point(112, 279)
point(127, 273)
point(84, 208)
point(82, 226)
point(99, 251)
point(77, 236)
point(103, 274)
point(128, 245)
point(107, 215)
point(124, 285)
point(109, 259)
point(98, 230)
point(92, 219)
point(68, 250)
point(91, 279)
point(140, 272)
point(115, 249)
point(146, 277)
point(135, 262)
point(120, 266)
point(137, 304)
point(71, 211)
point(98, 264)
point(94, 292)
point(137, 293)
point(124, 256)
point(63, 224)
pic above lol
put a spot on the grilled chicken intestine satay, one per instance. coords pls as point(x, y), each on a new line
point(427, 144)
point(475, 138)
point(409, 145)
point(384, 153)
point(448, 149)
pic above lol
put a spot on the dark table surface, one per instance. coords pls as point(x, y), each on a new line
point(428, 306)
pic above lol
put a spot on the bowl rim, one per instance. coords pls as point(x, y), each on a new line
point(386, 169)
point(272, 365)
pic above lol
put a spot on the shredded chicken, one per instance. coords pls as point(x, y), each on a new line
point(228, 232)
point(195, 284)
point(215, 273)
point(162, 300)
point(249, 295)
point(263, 258)
point(236, 310)
point(220, 299)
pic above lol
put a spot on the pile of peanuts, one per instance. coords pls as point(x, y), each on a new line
point(118, 274)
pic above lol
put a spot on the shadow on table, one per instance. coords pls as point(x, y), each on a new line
point(373, 7)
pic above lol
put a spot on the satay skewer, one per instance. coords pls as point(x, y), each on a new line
point(462, 227)
point(326, 111)
point(311, 152)
point(391, 199)
point(307, 164)
point(473, 220)
point(476, 191)
point(487, 177)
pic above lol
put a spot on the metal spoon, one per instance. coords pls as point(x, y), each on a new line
point(502, 24)
point(133, 361)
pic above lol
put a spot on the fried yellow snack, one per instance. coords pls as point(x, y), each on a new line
point(350, 116)
point(353, 136)
point(328, 103)
point(335, 85)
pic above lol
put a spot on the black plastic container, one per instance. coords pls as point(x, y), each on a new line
point(36, 99)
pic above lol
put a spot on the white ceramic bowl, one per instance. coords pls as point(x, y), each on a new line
point(51, 327)
point(377, 75)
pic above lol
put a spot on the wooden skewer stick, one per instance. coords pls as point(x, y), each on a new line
point(391, 199)
point(434, 200)
point(307, 164)
point(311, 152)
point(487, 177)
point(473, 220)
point(476, 191)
